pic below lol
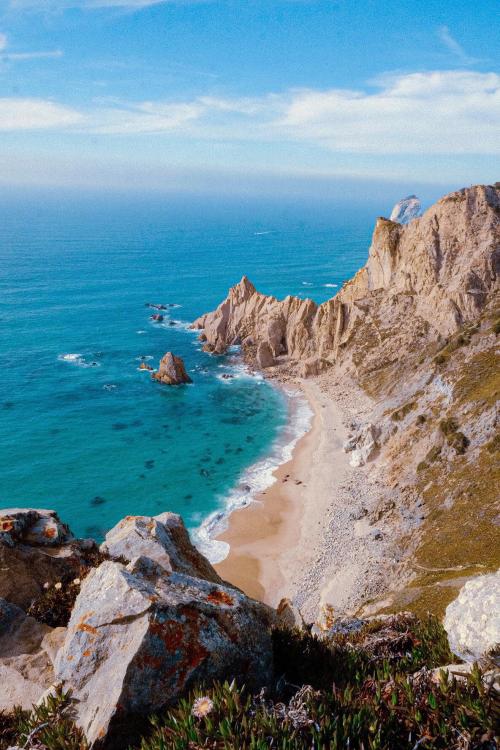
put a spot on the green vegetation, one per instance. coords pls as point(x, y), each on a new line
point(365, 691)
point(481, 379)
point(451, 345)
point(454, 438)
point(401, 413)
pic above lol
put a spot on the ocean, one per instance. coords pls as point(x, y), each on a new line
point(87, 433)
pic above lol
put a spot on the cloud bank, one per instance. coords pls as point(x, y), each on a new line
point(448, 112)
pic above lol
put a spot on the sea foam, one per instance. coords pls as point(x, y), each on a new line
point(256, 478)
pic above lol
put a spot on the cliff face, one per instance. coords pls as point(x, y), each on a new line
point(421, 282)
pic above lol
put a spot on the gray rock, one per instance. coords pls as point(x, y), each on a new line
point(32, 526)
point(139, 638)
point(26, 669)
point(265, 357)
point(289, 615)
point(162, 538)
point(406, 209)
point(25, 569)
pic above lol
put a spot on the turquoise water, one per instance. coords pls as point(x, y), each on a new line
point(89, 434)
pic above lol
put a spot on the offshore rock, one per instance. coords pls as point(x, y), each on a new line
point(139, 638)
point(171, 371)
point(406, 209)
point(163, 539)
point(472, 620)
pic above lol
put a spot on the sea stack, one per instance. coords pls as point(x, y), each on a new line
point(171, 371)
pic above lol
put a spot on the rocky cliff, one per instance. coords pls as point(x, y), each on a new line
point(416, 330)
point(421, 282)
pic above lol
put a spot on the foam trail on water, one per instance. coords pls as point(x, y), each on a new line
point(255, 479)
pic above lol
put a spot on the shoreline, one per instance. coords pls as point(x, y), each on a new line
point(260, 532)
point(311, 536)
point(274, 542)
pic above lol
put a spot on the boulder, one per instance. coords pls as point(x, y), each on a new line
point(472, 620)
point(313, 366)
point(363, 445)
point(265, 357)
point(25, 569)
point(163, 539)
point(171, 371)
point(139, 638)
point(27, 649)
point(32, 526)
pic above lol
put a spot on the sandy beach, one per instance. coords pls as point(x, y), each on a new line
point(309, 537)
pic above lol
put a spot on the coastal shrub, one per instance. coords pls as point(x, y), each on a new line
point(401, 413)
point(496, 327)
point(397, 712)
point(494, 445)
point(454, 438)
point(371, 689)
point(48, 726)
point(433, 454)
point(421, 419)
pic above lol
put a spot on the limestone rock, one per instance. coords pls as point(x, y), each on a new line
point(363, 445)
point(422, 281)
point(19, 634)
point(162, 538)
point(26, 668)
point(171, 371)
point(472, 620)
point(32, 526)
point(406, 209)
point(313, 366)
point(265, 356)
point(139, 638)
point(24, 570)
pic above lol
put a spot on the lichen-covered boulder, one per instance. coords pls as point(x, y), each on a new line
point(140, 637)
point(32, 526)
point(171, 371)
point(162, 538)
point(472, 620)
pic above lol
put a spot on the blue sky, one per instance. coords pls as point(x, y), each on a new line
point(195, 94)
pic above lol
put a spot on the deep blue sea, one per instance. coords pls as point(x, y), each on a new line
point(83, 430)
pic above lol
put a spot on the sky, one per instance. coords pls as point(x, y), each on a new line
point(256, 95)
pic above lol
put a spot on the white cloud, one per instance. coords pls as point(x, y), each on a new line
point(35, 114)
point(13, 56)
point(450, 112)
point(455, 47)
point(435, 112)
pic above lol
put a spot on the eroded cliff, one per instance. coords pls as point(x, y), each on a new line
point(421, 283)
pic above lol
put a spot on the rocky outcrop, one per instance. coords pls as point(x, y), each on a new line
point(171, 371)
point(472, 620)
point(26, 653)
point(35, 548)
point(363, 445)
point(422, 281)
point(265, 356)
point(139, 638)
point(406, 209)
point(163, 539)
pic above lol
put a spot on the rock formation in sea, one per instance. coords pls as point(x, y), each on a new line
point(406, 209)
point(171, 371)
